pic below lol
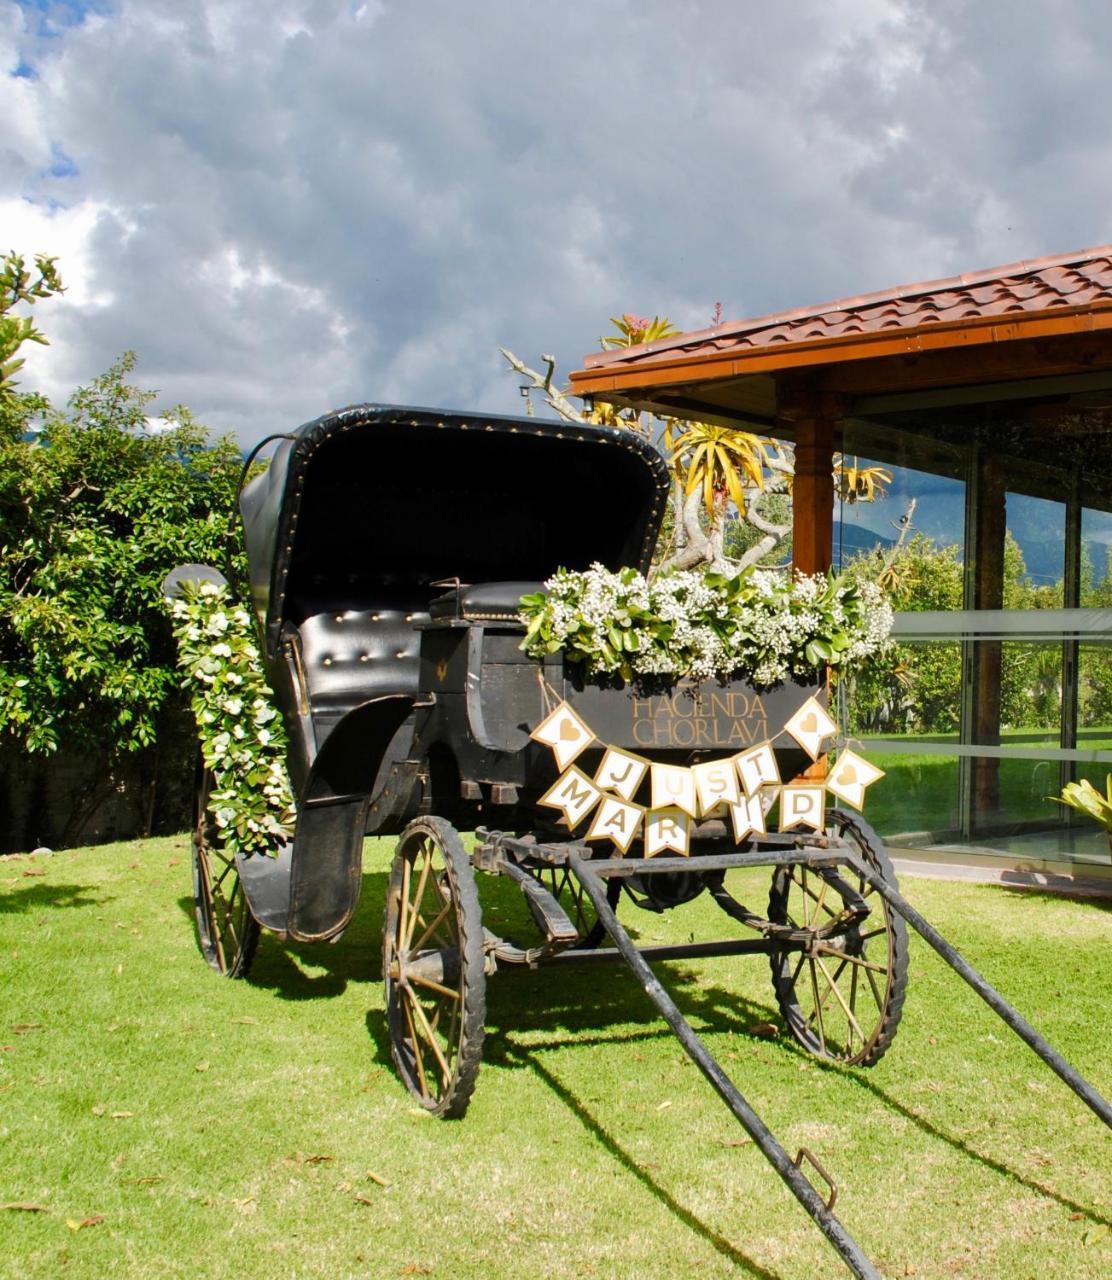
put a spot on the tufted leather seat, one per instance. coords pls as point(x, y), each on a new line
point(483, 601)
point(350, 655)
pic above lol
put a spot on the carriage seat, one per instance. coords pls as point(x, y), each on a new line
point(352, 655)
point(482, 601)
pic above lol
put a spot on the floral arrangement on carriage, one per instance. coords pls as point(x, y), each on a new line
point(763, 626)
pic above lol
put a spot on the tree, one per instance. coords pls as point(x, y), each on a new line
point(95, 508)
point(717, 470)
point(18, 285)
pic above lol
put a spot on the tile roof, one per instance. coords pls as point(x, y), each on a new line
point(1039, 285)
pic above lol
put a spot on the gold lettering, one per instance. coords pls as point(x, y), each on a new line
point(570, 794)
point(618, 819)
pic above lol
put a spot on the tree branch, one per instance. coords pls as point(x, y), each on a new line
point(554, 397)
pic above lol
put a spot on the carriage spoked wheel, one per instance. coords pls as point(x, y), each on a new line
point(433, 967)
point(841, 996)
point(227, 932)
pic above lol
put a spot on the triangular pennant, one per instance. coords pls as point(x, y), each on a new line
point(850, 776)
point(673, 785)
point(802, 806)
point(621, 771)
point(575, 794)
point(715, 783)
point(811, 726)
point(667, 829)
point(750, 816)
point(565, 733)
point(616, 821)
point(757, 768)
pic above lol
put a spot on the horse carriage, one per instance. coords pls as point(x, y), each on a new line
point(388, 549)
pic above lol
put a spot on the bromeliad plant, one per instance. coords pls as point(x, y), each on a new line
point(763, 626)
point(1086, 799)
point(243, 740)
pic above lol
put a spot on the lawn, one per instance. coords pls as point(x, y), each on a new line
point(172, 1123)
point(920, 792)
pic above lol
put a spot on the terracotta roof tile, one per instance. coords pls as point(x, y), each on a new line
point(1041, 284)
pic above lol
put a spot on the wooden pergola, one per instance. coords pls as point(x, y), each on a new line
point(1037, 331)
point(1011, 366)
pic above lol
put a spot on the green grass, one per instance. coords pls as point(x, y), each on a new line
point(227, 1129)
point(920, 792)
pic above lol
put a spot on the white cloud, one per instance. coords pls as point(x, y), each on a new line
point(283, 207)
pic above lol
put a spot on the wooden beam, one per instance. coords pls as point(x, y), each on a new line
point(976, 338)
point(811, 420)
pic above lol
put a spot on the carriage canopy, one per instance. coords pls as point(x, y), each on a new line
point(379, 502)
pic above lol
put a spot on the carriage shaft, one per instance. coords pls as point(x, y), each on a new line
point(988, 994)
point(679, 951)
point(843, 1243)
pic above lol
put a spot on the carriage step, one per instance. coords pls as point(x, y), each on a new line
point(551, 918)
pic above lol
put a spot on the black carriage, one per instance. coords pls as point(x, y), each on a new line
point(388, 549)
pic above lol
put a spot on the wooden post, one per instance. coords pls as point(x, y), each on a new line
point(988, 593)
point(813, 487)
point(812, 418)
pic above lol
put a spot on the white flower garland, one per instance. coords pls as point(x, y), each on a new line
point(243, 740)
point(762, 625)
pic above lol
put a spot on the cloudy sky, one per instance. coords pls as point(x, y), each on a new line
point(287, 205)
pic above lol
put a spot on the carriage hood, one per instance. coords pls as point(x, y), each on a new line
point(374, 504)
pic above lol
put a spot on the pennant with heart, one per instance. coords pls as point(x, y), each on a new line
point(810, 726)
point(565, 733)
point(850, 777)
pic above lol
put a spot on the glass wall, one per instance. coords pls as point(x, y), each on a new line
point(991, 529)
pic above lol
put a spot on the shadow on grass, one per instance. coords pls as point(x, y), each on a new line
point(553, 1000)
point(571, 1001)
point(989, 1162)
point(527, 1057)
point(35, 896)
point(1096, 902)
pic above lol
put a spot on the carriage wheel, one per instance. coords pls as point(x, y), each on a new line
point(227, 932)
point(841, 997)
point(433, 967)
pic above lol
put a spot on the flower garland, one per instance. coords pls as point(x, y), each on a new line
point(764, 625)
point(243, 740)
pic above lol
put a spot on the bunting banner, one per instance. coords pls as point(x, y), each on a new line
point(811, 726)
point(565, 733)
point(673, 785)
point(850, 776)
point(745, 785)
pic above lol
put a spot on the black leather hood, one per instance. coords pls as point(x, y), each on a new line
point(379, 502)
